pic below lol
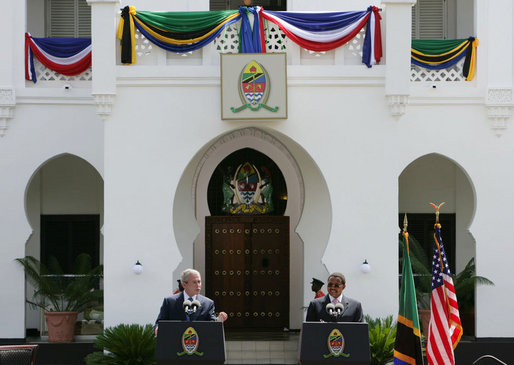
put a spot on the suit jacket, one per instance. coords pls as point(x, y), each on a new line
point(352, 311)
point(172, 309)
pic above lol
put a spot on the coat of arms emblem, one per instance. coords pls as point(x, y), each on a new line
point(254, 88)
point(248, 192)
point(190, 342)
point(336, 344)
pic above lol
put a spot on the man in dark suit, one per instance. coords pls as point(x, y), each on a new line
point(352, 309)
point(172, 307)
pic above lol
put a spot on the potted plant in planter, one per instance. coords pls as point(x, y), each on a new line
point(62, 296)
point(128, 344)
point(382, 335)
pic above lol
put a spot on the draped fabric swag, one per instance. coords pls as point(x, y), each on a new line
point(67, 56)
point(440, 54)
point(188, 31)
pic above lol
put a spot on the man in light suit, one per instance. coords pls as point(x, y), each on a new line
point(352, 311)
point(172, 306)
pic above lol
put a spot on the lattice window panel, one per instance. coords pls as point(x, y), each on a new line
point(276, 40)
point(353, 48)
point(228, 40)
point(143, 46)
point(421, 74)
point(45, 74)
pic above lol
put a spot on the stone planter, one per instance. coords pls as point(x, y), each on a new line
point(61, 326)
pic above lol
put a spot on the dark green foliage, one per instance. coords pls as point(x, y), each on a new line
point(382, 334)
point(465, 282)
point(127, 344)
point(54, 291)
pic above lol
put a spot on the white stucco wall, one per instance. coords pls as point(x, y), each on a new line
point(339, 123)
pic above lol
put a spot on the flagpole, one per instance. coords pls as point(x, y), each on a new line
point(407, 347)
point(445, 328)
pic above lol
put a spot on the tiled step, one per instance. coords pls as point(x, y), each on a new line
point(262, 351)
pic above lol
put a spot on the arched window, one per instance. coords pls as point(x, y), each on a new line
point(262, 186)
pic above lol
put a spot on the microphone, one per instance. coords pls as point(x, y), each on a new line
point(187, 306)
point(330, 308)
point(339, 308)
point(195, 305)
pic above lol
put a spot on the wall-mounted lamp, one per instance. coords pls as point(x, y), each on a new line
point(365, 267)
point(137, 268)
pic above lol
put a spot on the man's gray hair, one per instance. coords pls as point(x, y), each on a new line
point(184, 277)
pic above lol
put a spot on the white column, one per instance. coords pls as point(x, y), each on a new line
point(7, 92)
point(398, 19)
point(104, 22)
point(496, 37)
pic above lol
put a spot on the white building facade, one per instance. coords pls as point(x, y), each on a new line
point(138, 144)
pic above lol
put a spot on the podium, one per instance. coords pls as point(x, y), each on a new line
point(334, 342)
point(190, 343)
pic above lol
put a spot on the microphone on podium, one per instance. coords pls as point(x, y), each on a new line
point(195, 305)
point(187, 306)
point(330, 308)
point(339, 308)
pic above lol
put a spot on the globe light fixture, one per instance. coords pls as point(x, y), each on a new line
point(137, 268)
point(365, 267)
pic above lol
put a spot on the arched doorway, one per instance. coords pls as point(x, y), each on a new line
point(308, 205)
point(436, 178)
point(247, 241)
point(64, 207)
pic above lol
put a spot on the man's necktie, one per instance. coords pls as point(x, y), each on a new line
point(335, 301)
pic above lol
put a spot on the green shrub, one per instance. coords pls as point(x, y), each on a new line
point(127, 344)
point(382, 334)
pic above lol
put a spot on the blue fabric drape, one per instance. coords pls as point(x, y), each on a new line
point(319, 21)
point(249, 39)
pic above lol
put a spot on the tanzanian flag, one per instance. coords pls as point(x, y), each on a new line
point(407, 347)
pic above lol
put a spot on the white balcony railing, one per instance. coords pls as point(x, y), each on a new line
point(47, 77)
point(451, 74)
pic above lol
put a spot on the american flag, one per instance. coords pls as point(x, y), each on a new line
point(445, 329)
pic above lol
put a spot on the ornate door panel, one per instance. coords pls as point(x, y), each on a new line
point(247, 269)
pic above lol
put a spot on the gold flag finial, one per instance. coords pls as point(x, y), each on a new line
point(405, 223)
point(437, 207)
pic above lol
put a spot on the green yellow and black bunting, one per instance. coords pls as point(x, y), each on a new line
point(173, 31)
point(440, 54)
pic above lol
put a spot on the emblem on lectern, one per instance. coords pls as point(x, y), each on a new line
point(336, 344)
point(190, 342)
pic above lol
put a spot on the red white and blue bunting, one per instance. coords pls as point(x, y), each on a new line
point(326, 31)
point(67, 56)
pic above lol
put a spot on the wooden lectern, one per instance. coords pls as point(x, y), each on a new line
point(334, 342)
point(190, 343)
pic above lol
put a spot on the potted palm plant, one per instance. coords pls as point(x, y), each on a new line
point(62, 296)
point(127, 344)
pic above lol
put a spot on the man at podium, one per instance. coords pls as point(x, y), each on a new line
point(189, 305)
point(335, 307)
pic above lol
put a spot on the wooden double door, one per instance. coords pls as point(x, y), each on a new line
point(247, 269)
